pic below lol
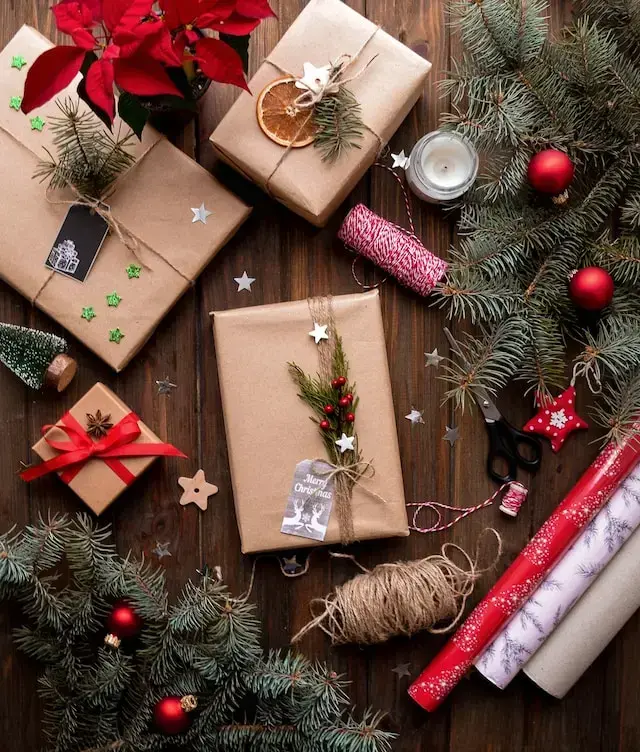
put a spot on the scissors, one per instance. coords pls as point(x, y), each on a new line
point(504, 439)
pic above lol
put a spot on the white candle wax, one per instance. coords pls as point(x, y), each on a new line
point(442, 166)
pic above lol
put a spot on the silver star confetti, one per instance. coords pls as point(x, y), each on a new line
point(402, 669)
point(200, 214)
point(319, 332)
point(161, 550)
point(452, 434)
point(165, 386)
point(433, 359)
point(346, 443)
point(415, 416)
point(244, 282)
point(400, 160)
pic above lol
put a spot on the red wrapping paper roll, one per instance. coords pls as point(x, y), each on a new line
point(584, 500)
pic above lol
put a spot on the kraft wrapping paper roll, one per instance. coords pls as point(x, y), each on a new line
point(591, 624)
point(532, 624)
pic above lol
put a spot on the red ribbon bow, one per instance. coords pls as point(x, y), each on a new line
point(80, 448)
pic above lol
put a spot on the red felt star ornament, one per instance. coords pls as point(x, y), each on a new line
point(557, 418)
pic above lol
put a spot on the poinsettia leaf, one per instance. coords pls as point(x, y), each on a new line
point(220, 62)
point(76, 19)
point(179, 12)
point(235, 25)
point(254, 9)
point(82, 93)
point(52, 72)
point(123, 14)
point(95, 6)
point(241, 45)
point(213, 10)
point(149, 38)
point(143, 76)
point(133, 112)
point(99, 86)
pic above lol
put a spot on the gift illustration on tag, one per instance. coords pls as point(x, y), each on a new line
point(64, 257)
point(310, 501)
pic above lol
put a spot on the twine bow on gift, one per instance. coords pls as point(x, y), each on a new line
point(329, 80)
point(73, 455)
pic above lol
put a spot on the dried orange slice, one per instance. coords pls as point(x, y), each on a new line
point(279, 117)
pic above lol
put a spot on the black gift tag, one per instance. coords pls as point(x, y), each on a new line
point(78, 243)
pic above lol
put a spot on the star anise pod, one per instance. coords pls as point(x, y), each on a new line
point(98, 425)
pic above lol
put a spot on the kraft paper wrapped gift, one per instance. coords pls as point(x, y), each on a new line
point(99, 481)
point(386, 91)
point(152, 200)
point(268, 427)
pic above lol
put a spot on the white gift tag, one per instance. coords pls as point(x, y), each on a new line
point(310, 500)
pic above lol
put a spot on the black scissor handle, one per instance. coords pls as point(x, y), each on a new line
point(504, 443)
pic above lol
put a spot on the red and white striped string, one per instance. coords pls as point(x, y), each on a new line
point(396, 250)
point(515, 494)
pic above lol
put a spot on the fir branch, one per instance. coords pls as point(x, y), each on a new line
point(339, 124)
point(619, 409)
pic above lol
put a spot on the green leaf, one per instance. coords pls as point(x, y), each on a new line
point(134, 114)
point(240, 45)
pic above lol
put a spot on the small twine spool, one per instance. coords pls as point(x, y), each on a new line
point(398, 598)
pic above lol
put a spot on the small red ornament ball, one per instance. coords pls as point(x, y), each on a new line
point(325, 425)
point(349, 397)
point(591, 288)
point(170, 717)
point(335, 384)
point(123, 621)
point(341, 381)
point(344, 402)
point(329, 409)
point(349, 417)
point(550, 171)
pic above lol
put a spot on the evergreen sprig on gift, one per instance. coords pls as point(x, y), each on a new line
point(207, 644)
point(339, 125)
point(88, 158)
point(515, 91)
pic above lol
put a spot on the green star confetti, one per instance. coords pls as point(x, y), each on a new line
point(113, 300)
point(133, 270)
point(88, 313)
point(37, 123)
point(17, 61)
point(15, 103)
point(115, 335)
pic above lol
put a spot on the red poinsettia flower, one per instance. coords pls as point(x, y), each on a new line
point(134, 44)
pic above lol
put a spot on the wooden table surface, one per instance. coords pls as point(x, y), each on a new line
point(291, 260)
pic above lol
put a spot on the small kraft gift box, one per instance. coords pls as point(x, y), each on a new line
point(287, 474)
point(156, 203)
point(384, 77)
point(98, 448)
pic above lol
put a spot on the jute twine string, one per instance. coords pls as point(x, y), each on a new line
point(399, 598)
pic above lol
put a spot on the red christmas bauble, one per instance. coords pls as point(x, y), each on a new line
point(329, 409)
point(171, 714)
point(344, 402)
point(325, 425)
point(550, 171)
point(123, 621)
point(335, 384)
point(349, 397)
point(349, 417)
point(591, 288)
point(341, 381)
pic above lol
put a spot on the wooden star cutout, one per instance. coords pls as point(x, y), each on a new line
point(197, 490)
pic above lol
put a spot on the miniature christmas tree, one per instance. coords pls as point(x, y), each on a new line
point(189, 677)
point(557, 123)
point(38, 358)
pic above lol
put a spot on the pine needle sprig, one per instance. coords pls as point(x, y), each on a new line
point(88, 158)
point(339, 124)
point(619, 409)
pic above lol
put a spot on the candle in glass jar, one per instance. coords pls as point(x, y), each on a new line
point(442, 166)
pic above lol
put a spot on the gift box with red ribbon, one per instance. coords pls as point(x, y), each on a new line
point(98, 448)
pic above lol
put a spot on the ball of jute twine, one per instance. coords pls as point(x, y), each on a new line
point(399, 598)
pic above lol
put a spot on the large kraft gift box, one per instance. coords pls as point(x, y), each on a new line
point(386, 91)
point(268, 427)
point(99, 481)
point(152, 200)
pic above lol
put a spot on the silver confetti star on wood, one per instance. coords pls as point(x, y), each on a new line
point(400, 160)
point(402, 669)
point(415, 416)
point(165, 386)
point(161, 550)
point(452, 434)
point(200, 214)
point(433, 359)
point(244, 282)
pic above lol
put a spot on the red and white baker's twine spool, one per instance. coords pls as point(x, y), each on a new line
point(515, 494)
point(394, 249)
